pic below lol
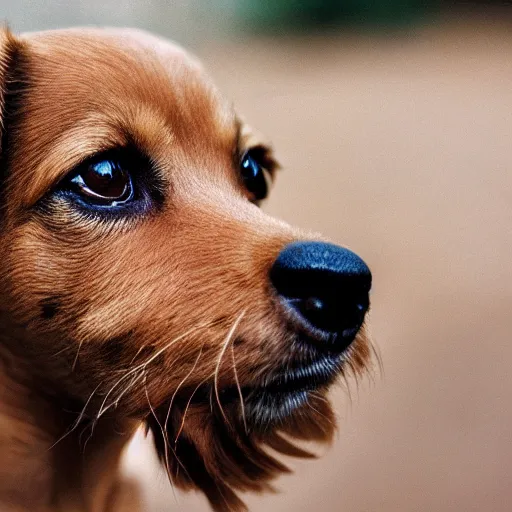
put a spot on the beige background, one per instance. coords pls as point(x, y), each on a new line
point(398, 147)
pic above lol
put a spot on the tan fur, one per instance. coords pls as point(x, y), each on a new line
point(105, 325)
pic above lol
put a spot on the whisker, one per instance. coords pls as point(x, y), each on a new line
point(75, 424)
point(181, 384)
point(168, 345)
point(136, 378)
point(142, 366)
point(165, 432)
point(219, 361)
point(166, 444)
point(61, 351)
point(239, 388)
point(76, 356)
point(104, 407)
point(211, 400)
point(187, 407)
point(137, 353)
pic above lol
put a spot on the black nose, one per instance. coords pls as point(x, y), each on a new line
point(327, 286)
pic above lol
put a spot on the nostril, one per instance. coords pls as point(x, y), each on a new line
point(326, 284)
point(331, 315)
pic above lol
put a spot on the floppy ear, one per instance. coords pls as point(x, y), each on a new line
point(11, 78)
point(7, 47)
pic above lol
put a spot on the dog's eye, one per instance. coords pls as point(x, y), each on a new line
point(255, 177)
point(103, 181)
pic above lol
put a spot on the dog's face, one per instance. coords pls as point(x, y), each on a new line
point(140, 272)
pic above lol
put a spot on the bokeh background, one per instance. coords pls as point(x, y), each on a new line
point(393, 120)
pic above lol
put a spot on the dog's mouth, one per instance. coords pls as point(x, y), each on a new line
point(320, 358)
point(276, 398)
point(273, 399)
point(316, 359)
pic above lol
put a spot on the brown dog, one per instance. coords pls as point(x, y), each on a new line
point(141, 283)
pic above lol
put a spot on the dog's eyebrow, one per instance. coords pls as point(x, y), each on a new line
point(68, 150)
point(86, 138)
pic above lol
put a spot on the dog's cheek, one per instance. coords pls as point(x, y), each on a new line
point(96, 291)
point(33, 276)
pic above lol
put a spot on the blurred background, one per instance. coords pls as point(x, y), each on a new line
point(393, 121)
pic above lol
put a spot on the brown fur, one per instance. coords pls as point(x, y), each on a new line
point(108, 324)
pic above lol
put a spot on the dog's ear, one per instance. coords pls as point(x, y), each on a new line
point(11, 80)
point(11, 50)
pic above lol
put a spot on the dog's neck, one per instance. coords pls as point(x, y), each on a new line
point(39, 472)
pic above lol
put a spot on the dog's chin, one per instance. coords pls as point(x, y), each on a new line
point(222, 451)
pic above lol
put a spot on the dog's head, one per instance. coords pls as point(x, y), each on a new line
point(139, 272)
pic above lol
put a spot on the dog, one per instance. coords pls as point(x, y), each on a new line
point(143, 285)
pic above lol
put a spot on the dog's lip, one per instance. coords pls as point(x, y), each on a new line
point(283, 392)
point(308, 377)
point(277, 395)
point(291, 381)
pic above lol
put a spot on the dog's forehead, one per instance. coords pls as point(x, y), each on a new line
point(90, 88)
point(111, 65)
point(116, 43)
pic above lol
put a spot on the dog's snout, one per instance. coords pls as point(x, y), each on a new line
point(327, 286)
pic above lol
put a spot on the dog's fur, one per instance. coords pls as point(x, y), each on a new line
point(107, 323)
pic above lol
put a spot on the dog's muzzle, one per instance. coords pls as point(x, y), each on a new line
point(322, 292)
